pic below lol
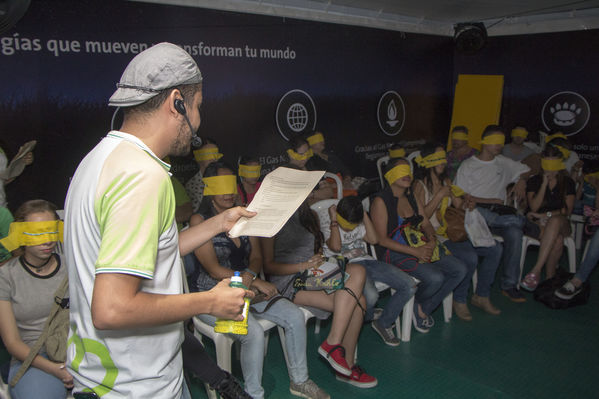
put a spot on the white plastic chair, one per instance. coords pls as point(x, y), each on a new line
point(338, 182)
point(568, 243)
point(379, 167)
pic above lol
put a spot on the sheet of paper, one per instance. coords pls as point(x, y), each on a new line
point(281, 193)
point(17, 165)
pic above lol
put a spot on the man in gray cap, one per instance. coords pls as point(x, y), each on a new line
point(121, 239)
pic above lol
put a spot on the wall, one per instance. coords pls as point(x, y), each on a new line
point(56, 82)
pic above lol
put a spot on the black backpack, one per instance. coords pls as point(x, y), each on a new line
point(545, 292)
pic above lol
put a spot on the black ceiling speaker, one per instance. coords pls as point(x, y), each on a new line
point(469, 37)
point(11, 11)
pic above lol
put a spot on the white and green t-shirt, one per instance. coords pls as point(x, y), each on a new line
point(120, 218)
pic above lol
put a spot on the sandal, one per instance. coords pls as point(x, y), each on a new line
point(530, 282)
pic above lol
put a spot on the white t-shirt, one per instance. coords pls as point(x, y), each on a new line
point(353, 246)
point(488, 179)
point(571, 161)
point(120, 218)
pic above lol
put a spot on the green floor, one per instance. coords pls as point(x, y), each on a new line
point(529, 351)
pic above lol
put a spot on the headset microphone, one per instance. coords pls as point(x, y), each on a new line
point(180, 107)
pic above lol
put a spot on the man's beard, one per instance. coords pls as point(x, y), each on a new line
point(182, 143)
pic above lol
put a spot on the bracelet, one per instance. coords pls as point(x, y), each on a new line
point(253, 273)
point(334, 224)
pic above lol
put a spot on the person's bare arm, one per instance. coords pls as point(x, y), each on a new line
point(535, 199)
point(334, 240)
point(118, 303)
point(19, 349)
point(197, 235)
point(370, 237)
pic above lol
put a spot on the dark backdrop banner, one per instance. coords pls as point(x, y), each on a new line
point(60, 64)
point(550, 83)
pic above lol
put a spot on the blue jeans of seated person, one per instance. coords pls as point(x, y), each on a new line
point(590, 260)
point(371, 295)
point(508, 227)
point(36, 383)
point(285, 314)
point(469, 254)
point(437, 279)
point(403, 285)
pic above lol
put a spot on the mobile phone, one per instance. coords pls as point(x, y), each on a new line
point(85, 395)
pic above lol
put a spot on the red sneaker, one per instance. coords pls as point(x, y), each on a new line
point(335, 355)
point(358, 378)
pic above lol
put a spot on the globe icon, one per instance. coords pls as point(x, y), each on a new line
point(297, 117)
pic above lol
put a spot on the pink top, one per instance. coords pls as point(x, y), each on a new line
point(248, 197)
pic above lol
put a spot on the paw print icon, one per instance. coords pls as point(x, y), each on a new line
point(567, 111)
point(565, 114)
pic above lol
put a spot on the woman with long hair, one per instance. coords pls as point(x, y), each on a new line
point(434, 190)
point(297, 247)
point(28, 284)
point(551, 200)
point(398, 221)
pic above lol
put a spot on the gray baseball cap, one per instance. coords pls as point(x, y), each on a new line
point(153, 70)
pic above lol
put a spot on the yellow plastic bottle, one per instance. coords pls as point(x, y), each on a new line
point(233, 326)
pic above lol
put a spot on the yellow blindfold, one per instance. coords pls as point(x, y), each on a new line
point(220, 185)
point(494, 139)
point(345, 224)
point(300, 157)
point(558, 135)
point(315, 139)
point(552, 164)
point(520, 132)
point(432, 160)
point(459, 136)
point(249, 171)
point(207, 154)
point(397, 153)
point(589, 176)
point(32, 233)
point(457, 191)
point(397, 173)
point(565, 152)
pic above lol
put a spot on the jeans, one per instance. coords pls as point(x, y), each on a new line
point(285, 314)
point(590, 260)
point(36, 383)
point(508, 227)
point(403, 285)
point(469, 254)
point(371, 295)
point(437, 279)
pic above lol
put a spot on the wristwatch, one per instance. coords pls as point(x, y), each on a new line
point(549, 214)
point(253, 273)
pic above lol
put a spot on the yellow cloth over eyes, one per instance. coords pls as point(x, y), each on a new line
point(520, 132)
point(565, 152)
point(397, 173)
point(457, 191)
point(552, 164)
point(249, 171)
point(459, 136)
point(207, 154)
point(492, 139)
point(300, 157)
point(558, 135)
point(432, 160)
point(589, 176)
point(220, 185)
point(345, 224)
point(315, 139)
point(32, 233)
point(397, 153)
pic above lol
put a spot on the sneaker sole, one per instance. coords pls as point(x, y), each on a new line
point(390, 343)
point(303, 395)
point(420, 330)
point(338, 368)
point(357, 384)
point(565, 297)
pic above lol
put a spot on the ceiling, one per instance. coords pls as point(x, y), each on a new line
point(501, 17)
